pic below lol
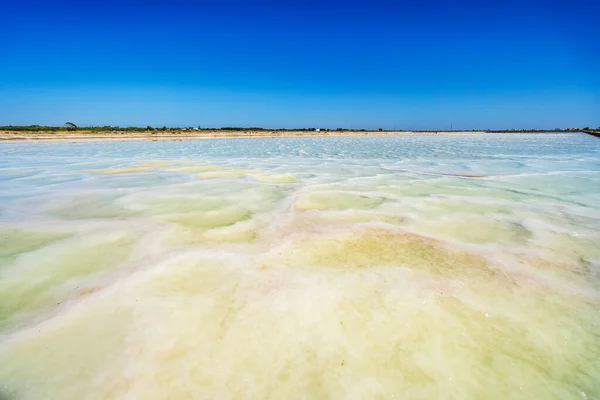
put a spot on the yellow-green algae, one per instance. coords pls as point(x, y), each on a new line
point(42, 278)
point(166, 205)
point(478, 230)
point(333, 301)
point(274, 178)
point(468, 188)
point(222, 174)
point(143, 166)
point(205, 218)
point(377, 314)
point(196, 212)
point(347, 218)
point(374, 247)
point(451, 186)
point(565, 245)
point(156, 163)
point(125, 170)
point(82, 346)
point(14, 242)
point(443, 205)
point(201, 168)
point(220, 217)
point(90, 205)
point(337, 201)
point(242, 231)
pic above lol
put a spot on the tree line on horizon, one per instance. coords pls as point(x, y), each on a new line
point(105, 128)
point(109, 128)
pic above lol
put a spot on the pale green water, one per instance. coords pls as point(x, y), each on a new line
point(416, 266)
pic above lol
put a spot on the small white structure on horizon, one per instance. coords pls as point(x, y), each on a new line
point(317, 130)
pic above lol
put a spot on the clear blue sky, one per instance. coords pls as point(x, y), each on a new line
point(418, 64)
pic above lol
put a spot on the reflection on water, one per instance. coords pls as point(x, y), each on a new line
point(418, 266)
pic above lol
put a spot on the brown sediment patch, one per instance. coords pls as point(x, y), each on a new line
point(372, 247)
point(86, 291)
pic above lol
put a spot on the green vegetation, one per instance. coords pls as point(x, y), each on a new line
point(70, 126)
point(234, 128)
point(109, 128)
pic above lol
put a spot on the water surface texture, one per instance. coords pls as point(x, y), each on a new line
point(409, 266)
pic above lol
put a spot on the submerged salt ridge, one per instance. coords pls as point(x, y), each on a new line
point(417, 266)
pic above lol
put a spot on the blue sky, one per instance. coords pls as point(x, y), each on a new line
point(361, 64)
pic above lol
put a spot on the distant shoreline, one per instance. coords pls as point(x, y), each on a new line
point(176, 134)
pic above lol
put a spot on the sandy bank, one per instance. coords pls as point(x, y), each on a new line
point(178, 134)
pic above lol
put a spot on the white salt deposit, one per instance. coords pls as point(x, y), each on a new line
point(423, 266)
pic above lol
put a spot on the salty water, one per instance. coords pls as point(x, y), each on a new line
point(409, 266)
